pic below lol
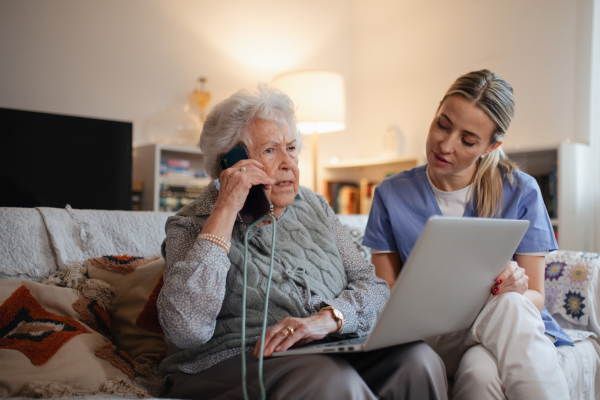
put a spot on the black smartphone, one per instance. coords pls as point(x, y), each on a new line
point(257, 203)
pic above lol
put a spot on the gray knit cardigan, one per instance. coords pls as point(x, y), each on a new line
point(306, 257)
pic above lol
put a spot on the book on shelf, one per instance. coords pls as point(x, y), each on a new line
point(343, 197)
point(367, 190)
point(178, 168)
point(178, 164)
point(173, 198)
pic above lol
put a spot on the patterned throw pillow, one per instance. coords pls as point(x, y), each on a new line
point(356, 235)
point(355, 225)
point(567, 279)
point(137, 283)
point(54, 342)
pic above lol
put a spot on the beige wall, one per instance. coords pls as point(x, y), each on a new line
point(408, 53)
point(595, 132)
point(127, 60)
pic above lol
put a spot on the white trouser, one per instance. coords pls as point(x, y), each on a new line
point(507, 356)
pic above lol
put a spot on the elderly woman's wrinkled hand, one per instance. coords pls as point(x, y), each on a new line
point(235, 183)
point(512, 279)
point(297, 331)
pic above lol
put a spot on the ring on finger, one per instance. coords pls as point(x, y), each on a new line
point(288, 330)
point(243, 169)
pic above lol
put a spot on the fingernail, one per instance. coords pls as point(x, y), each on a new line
point(495, 290)
point(499, 281)
point(278, 348)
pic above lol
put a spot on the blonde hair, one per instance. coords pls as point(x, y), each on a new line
point(495, 97)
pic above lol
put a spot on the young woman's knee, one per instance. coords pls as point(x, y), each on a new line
point(512, 303)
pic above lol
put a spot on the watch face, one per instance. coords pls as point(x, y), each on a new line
point(338, 314)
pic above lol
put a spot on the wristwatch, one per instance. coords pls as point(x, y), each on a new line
point(338, 315)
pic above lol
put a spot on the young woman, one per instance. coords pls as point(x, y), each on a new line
point(509, 352)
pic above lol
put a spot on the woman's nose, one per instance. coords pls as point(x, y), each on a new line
point(447, 144)
point(285, 160)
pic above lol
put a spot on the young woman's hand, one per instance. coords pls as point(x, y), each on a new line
point(297, 331)
point(512, 279)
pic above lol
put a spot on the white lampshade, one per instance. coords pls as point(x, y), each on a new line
point(319, 97)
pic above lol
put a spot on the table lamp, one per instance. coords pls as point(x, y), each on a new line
point(321, 104)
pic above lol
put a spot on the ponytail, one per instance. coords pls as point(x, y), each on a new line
point(491, 172)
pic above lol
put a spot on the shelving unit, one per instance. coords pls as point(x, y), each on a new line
point(167, 190)
point(542, 164)
point(364, 174)
point(568, 162)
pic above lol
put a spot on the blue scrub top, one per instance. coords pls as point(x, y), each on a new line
point(403, 203)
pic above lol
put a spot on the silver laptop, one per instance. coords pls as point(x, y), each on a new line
point(443, 286)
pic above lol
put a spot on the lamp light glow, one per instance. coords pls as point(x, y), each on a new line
point(319, 97)
point(320, 102)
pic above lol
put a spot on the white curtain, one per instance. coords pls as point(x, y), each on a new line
point(595, 131)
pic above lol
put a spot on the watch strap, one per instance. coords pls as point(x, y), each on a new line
point(341, 320)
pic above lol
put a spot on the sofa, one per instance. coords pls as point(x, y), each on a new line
point(78, 315)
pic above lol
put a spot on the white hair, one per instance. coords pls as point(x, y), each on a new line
point(227, 124)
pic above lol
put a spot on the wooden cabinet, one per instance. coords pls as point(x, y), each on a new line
point(359, 177)
point(567, 164)
point(171, 175)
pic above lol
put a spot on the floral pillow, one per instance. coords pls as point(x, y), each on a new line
point(567, 280)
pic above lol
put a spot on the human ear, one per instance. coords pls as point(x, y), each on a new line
point(491, 148)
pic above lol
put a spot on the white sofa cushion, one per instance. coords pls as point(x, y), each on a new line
point(77, 235)
point(24, 247)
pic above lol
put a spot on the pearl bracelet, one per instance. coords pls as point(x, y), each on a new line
point(218, 240)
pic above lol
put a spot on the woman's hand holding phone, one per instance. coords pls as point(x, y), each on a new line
point(234, 188)
point(235, 184)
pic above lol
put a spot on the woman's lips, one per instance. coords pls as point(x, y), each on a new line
point(284, 184)
point(440, 160)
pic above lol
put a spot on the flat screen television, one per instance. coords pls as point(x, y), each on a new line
point(52, 160)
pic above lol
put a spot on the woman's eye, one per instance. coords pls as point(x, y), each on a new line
point(292, 148)
point(269, 150)
point(441, 126)
point(467, 143)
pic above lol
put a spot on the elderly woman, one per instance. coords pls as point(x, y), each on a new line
point(321, 285)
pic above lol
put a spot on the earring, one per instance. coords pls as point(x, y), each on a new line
point(483, 155)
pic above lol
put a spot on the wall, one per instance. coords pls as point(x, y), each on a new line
point(128, 60)
point(595, 131)
point(408, 53)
